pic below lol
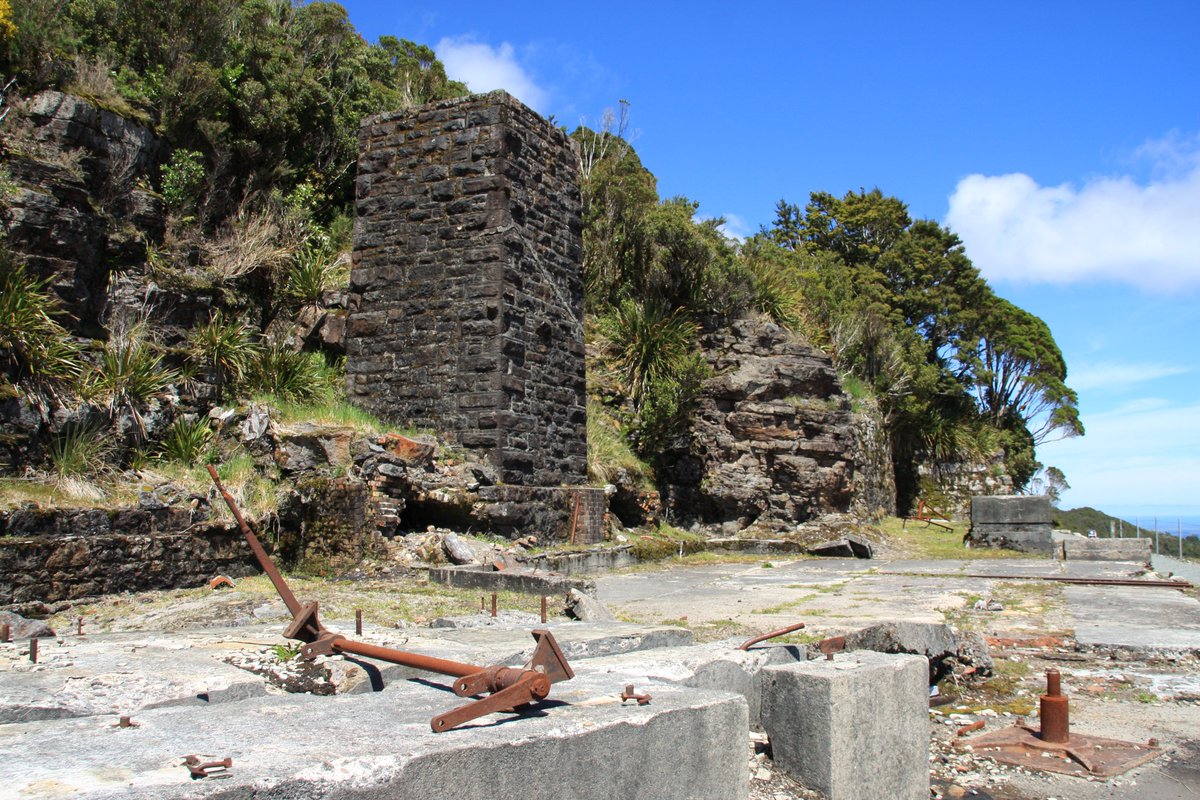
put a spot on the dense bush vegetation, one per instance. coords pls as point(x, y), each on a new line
point(260, 102)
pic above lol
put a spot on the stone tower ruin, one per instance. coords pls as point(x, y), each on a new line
point(466, 290)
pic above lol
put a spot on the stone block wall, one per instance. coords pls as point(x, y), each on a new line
point(65, 554)
point(466, 289)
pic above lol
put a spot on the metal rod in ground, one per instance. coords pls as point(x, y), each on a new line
point(493, 604)
point(543, 609)
point(4, 633)
point(1179, 536)
point(482, 603)
point(79, 627)
point(33, 647)
point(358, 622)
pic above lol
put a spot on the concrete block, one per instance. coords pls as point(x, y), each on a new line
point(686, 745)
point(855, 727)
point(1079, 549)
point(1010, 509)
point(718, 665)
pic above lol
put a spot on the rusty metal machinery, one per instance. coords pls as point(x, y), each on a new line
point(507, 688)
point(1054, 748)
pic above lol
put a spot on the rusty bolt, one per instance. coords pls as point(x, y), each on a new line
point(628, 694)
point(1153, 742)
point(126, 722)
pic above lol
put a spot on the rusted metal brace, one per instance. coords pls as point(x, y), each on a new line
point(207, 769)
point(628, 694)
point(509, 688)
point(746, 645)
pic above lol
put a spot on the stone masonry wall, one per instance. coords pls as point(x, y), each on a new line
point(466, 290)
point(65, 554)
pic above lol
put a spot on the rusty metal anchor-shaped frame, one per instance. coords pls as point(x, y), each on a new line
point(508, 688)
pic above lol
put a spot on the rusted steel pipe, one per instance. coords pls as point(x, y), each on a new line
point(494, 604)
point(746, 645)
point(285, 592)
point(1055, 714)
point(543, 609)
point(428, 663)
point(974, 726)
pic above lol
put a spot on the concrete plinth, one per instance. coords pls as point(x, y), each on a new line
point(719, 665)
point(687, 745)
point(1080, 549)
point(1017, 522)
point(855, 727)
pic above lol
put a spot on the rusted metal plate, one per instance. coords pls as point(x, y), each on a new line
point(1081, 755)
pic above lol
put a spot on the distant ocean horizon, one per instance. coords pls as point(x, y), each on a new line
point(1186, 520)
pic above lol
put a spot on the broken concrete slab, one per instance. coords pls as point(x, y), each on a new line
point(122, 674)
point(853, 727)
point(687, 744)
point(21, 628)
point(1163, 622)
point(716, 665)
point(587, 609)
point(849, 546)
point(509, 580)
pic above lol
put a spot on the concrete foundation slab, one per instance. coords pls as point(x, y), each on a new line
point(718, 665)
point(688, 744)
point(1163, 621)
point(853, 727)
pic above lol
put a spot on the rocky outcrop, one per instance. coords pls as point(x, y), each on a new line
point(772, 439)
point(81, 208)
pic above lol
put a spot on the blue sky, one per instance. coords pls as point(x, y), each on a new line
point(1061, 141)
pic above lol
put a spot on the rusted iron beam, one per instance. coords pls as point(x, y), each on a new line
point(508, 688)
point(1145, 584)
point(746, 645)
point(285, 593)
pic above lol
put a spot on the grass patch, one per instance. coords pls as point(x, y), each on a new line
point(608, 452)
point(330, 412)
point(915, 539)
point(782, 607)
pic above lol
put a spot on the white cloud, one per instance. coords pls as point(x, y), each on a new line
point(484, 68)
point(734, 227)
point(1112, 376)
point(1114, 228)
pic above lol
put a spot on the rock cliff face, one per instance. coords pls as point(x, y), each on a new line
point(81, 208)
point(773, 438)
